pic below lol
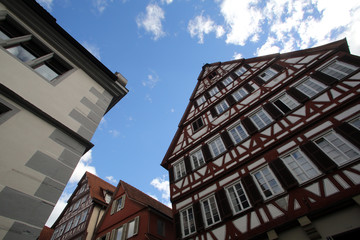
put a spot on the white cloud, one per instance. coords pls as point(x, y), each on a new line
point(93, 49)
point(114, 133)
point(111, 179)
point(148, 98)
point(163, 186)
point(237, 55)
point(201, 25)
point(172, 110)
point(47, 4)
point(166, 1)
point(151, 21)
point(82, 167)
point(101, 5)
point(151, 81)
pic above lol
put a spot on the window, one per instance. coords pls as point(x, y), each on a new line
point(197, 124)
point(61, 229)
point(132, 227)
point(267, 182)
point(119, 233)
point(339, 69)
point(83, 216)
point(213, 91)
point(337, 148)
point(77, 204)
point(197, 159)
point(160, 227)
point(238, 199)
point(240, 94)
point(240, 71)
point(120, 203)
point(310, 87)
point(285, 103)
point(268, 74)
point(355, 123)
point(238, 133)
point(187, 222)
point(212, 75)
point(68, 226)
point(300, 166)
point(210, 211)
point(179, 170)
point(222, 107)
point(200, 100)
point(227, 81)
point(260, 119)
point(76, 221)
point(217, 147)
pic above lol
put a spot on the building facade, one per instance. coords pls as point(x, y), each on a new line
point(269, 148)
point(53, 94)
point(84, 209)
point(134, 215)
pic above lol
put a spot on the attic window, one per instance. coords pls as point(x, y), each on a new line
point(197, 124)
point(212, 75)
point(118, 204)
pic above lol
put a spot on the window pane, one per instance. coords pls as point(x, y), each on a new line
point(119, 233)
point(3, 36)
point(240, 71)
point(310, 87)
point(267, 182)
point(188, 223)
point(213, 91)
point(197, 159)
point(356, 123)
point(261, 119)
point(21, 53)
point(227, 80)
point(238, 198)
point(200, 100)
point(268, 74)
point(238, 133)
point(217, 147)
point(222, 107)
point(239, 94)
point(46, 72)
point(210, 211)
point(338, 70)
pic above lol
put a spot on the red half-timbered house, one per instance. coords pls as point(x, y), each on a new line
point(269, 148)
point(134, 215)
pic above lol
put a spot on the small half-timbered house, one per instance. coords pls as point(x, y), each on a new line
point(269, 148)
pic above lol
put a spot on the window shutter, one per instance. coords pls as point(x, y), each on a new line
point(350, 133)
point(297, 95)
point(107, 236)
point(177, 223)
point(198, 217)
point(249, 126)
point(353, 60)
point(113, 207)
point(136, 227)
point(220, 86)
point(230, 99)
point(195, 104)
point(259, 81)
point(124, 233)
point(113, 234)
point(206, 152)
point(122, 202)
point(233, 75)
point(322, 161)
point(251, 190)
point(187, 164)
point(213, 112)
point(325, 79)
point(223, 204)
point(171, 174)
point(227, 140)
point(273, 111)
point(206, 95)
point(247, 66)
point(277, 67)
point(248, 87)
point(287, 180)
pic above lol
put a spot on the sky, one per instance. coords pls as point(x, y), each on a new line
point(160, 46)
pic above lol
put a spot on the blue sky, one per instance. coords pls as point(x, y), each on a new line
point(160, 47)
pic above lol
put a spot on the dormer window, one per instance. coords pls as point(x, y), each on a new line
point(212, 75)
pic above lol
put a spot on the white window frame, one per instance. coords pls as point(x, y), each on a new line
point(120, 236)
point(179, 169)
point(213, 213)
point(235, 133)
point(306, 168)
point(338, 69)
point(288, 101)
point(239, 94)
point(200, 100)
point(312, 87)
point(269, 74)
point(239, 199)
point(132, 227)
point(227, 80)
point(216, 147)
point(273, 191)
point(263, 121)
point(120, 203)
point(240, 71)
point(222, 107)
point(197, 159)
point(345, 158)
point(213, 91)
point(188, 223)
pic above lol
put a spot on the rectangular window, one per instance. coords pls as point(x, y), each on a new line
point(132, 228)
point(197, 124)
point(240, 71)
point(267, 182)
point(285, 103)
point(337, 148)
point(119, 233)
point(76, 221)
point(197, 159)
point(268, 74)
point(210, 211)
point(239, 94)
point(339, 70)
point(238, 198)
point(227, 81)
point(187, 222)
point(200, 100)
point(120, 203)
point(355, 123)
point(68, 226)
point(179, 170)
point(221, 107)
point(216, 147)
point(261, 119)
point(300, 166)
point(238, 133)
point(61, 229)
point(77, 204)
point(213, 91)
point(310, 87)
point(83, 216)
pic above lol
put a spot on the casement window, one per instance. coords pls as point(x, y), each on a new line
point(285, 103)
point(227, 81)
point(339, 70)
point(266, 181)
point(237, 197)
point(337, 148)
point(210, 211)
point(197, 124)
point(268, 74)
point(240, 94)
point(119, 233)
point(216, 147)
point(213, 91)
point(132, 227)
point(221, 107)
point(83, 216)
point(197, 159)
point(261, 119)
point(61, 229)
point(240, 71)
point(238, 133)
point(179, 170)
point(355, 123)
point(310, 87)
point(117, 204)
point(77, 204)
point(300, 166)
point(200, 100)
point(22, 45)
point(76, 220)
point(68, 226)
point(187, 222)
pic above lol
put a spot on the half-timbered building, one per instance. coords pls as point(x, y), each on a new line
point(269, 148)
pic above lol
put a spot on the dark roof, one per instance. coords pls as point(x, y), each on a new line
point(97, 185)
point(46, 233)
